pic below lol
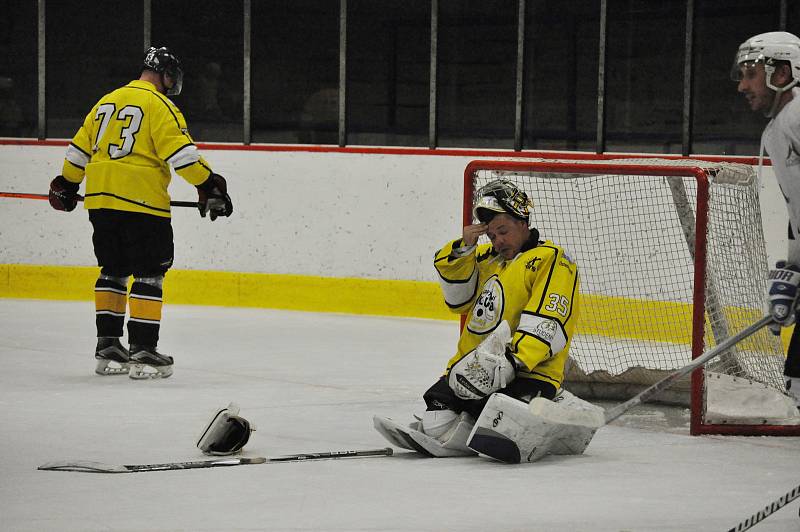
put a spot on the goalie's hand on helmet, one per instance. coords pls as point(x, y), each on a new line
point(472, 232)
point(782, 288)
point(213, 198)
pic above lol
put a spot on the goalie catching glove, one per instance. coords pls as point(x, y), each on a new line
point(782, 293)
point(486, 369)
point(212, 197)
point(226, 433)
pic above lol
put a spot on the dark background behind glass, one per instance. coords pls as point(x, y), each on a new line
point(207, 37)
point(388, 72)
point(477, 72)
point(644, 75)
point(561, 75)
point(18, 77)
point(86, 60)
point(723, 123)
point(295, 70)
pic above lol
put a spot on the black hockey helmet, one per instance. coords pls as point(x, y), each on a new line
point(163, 61)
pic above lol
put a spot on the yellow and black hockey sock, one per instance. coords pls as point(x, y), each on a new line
point(110, 300)
point(145, 307)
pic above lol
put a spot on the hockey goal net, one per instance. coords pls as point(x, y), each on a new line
point(672, 261)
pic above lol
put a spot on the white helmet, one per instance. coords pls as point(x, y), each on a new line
point(769, 48)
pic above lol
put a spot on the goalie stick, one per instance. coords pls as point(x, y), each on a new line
point(85, 466)
point(595, 419)
point(27, 195)
point(770, 509)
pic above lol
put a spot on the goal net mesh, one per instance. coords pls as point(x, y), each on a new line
point(633, 237)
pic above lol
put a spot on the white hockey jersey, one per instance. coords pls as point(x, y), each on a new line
point(781, 140)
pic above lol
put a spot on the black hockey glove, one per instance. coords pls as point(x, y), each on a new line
point(212, 197)
point(63, 194)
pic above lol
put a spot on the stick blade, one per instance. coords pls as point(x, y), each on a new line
point(84, 466)
point(557, 413)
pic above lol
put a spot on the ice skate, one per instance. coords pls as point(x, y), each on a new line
point(112, 357)
point(147, 363)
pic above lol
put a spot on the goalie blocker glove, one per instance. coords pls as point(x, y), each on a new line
point(212, 197)
point(63, 194)
point(782, 293)
point(226, 433)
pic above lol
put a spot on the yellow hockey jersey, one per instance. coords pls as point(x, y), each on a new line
point(536, 292)
point(125, 148)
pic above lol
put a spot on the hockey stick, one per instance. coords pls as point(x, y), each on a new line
point(770, 509)
point(595, 419)
point(27, 195)
point(85, 466)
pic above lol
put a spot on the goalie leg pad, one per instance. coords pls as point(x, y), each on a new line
point(508, 431)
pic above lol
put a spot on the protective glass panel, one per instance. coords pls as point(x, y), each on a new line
point(86, 60)
point(723, 122)
point(560, 108)
point(295, 71)
point(18, 76)
point(477, 73)
point(388, 72)
point(644, 75)
point(209, 44)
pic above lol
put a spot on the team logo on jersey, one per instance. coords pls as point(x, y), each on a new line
point(546, 330)
point(488, 309)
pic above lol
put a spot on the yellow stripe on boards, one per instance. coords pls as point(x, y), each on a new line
point(417, 299)
point(659, 320)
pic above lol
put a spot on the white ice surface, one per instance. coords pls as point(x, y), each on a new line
point(311, 382)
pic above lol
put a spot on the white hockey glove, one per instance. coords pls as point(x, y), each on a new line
point(782, 294)
point(484, 370)
point(226, 433)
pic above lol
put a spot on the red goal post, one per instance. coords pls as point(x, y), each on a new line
point(672, 261)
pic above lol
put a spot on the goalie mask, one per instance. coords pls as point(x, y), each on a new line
point(163, 61)
point(501, 196)
point(226, 433)
point(770, 49)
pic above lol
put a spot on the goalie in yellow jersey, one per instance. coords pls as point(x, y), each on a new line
point(125, 148)
point(519, 296)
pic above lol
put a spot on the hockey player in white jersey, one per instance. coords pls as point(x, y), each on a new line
point(767, 69)
point(519, 295)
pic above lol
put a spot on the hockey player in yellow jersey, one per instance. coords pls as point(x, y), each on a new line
point(519, 298)
point(124, 150)
point(530, 284)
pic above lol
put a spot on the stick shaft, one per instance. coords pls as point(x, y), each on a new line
point(28, 195)
point(386, 451)
point(85, 466)
point(615, 412)
point(770, 509)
